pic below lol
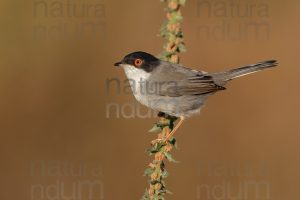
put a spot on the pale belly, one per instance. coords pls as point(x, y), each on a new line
point(175, 106)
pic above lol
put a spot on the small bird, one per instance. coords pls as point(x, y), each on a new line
point(174, 89)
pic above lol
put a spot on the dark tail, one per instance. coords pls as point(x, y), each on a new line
point(249, 69)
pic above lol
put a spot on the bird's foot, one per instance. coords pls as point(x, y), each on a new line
point(159, 140)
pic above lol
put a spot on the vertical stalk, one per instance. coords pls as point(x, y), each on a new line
point(172, 33)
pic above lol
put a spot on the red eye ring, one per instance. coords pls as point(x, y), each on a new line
point(138, 62)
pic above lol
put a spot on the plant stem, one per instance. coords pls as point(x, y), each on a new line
point(171, 31)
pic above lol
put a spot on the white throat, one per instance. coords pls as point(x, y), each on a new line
point(137, 80)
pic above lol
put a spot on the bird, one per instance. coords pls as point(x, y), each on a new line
point(174, 89)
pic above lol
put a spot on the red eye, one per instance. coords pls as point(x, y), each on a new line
point(138, 62)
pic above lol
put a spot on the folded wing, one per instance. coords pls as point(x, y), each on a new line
point(176, 80)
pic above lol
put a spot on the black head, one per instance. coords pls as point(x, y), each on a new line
point(141, 60)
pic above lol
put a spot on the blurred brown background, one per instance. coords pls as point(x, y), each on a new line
point(56, 133)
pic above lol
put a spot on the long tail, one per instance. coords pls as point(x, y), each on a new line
point(245, 70)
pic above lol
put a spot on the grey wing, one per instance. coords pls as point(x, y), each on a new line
point(176, 80)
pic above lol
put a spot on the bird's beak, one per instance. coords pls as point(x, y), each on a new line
point(118, 64)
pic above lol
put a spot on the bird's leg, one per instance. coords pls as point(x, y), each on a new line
point(165, 122)
point(168, 137)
